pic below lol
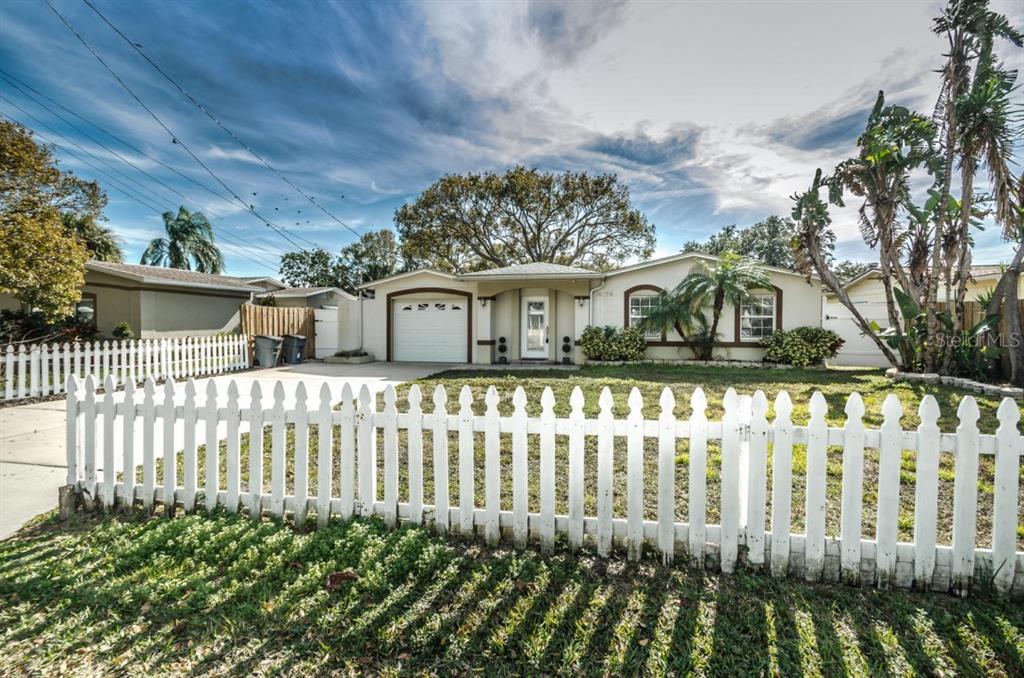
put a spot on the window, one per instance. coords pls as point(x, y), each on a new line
point(640, 306)
point(757, 316)
point(85, 310)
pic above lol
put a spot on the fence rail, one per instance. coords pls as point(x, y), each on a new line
point(346, 457)
point(43, 369)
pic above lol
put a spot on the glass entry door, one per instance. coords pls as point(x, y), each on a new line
point(535, 327)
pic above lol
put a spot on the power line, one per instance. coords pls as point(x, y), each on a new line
point(142, 200)
point(174, 138)
point(214, 118)
point(10, 80)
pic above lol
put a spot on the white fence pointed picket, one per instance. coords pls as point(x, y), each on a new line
point(1009, 448)
point(233, 444)
point(466, 465)
point(364, 449)
point(170, 457)
point(22, 362)
point(255, 417)
point(71, 417)
point(189, 425)
point(390, 456)
point(965, 494)
point(128, 443)
point(300, 490)
point(109, 415)
point(853, 490)
point(605, 471)
point(277, 452)
point(492, 468)
point(149, 445)
point(926, 492)
point(415, 447)
point(782, 484)
point(89, 433)
point(212, 485)
point(440, 444)
point(667, 476)
point(729, 493)
point(347, 462)
point(635, 475)
point(757, 479)
point(890, 454)
point(520, 470)
point(576, 461)
point(698, 477)
point(817, 446)
point(9, 372)
point(547, 471)
point(324, 456)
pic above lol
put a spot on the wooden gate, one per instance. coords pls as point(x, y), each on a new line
point(279, 321)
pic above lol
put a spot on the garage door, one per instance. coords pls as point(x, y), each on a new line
point(857, 349)
point(430, 330)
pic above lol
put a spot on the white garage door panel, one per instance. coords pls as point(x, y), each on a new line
point(430, 330)
point(857, 350)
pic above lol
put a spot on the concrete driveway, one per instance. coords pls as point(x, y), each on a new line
point(32, 456)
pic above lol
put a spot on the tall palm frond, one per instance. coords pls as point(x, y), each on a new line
point(189, 242)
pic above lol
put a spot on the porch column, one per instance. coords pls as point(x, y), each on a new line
point(484, 349)
point(581, 318)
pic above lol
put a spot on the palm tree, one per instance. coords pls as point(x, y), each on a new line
point(100, 241)
point(189, 241)
point(895, 143)
point(728, 280)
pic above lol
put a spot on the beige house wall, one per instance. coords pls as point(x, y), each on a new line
point(168, 314)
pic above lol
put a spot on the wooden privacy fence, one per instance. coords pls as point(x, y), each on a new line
point(43, 369)
point(146, 427)
point(278, 321)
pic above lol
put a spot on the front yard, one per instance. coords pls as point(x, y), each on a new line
point(224, 594)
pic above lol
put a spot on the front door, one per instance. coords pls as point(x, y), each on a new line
point(535, 327)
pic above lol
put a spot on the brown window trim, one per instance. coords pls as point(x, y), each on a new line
point(625, 308)
point(430, 290)
point(777, 326)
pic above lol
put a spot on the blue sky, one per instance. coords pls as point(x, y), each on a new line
point(713, 113)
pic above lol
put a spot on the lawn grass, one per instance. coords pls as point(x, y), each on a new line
point(650, 379)
point(220, 594)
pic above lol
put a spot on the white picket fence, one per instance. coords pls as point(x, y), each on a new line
point(747, 439)
point(43, 369)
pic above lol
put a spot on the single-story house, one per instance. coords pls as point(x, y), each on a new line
point(868, 295)
point(158, 301)
point(538, 311)
point(308, 297)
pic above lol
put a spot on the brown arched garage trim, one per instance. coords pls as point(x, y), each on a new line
point(625, 304)
point(778, 320)
point(432, 290)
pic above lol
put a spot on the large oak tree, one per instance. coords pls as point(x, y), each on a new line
point(477, 221)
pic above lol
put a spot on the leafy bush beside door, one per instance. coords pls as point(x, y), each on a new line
point(801, 346)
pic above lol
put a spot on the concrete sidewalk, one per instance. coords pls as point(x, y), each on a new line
point(32, 456)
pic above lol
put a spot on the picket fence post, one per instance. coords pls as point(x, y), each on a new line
point(364, 442)
point(698, 474)
point(128, 444)
point(212, 484)
point(757, 479)
point(324, 456)
point(189, 424)
point(520, 470)
point(782, 484)
point(277, 452)
point(440, 444)
point(255, 418)
point(415, 455)
point(109, 472)
point(466, 467)
point(547, 471)
point(667, 476)
point(347, 463)
point(390, 456)
point(234, 462)
point(887, 523)
point(576, 462)
point(492, 468)
point(71, 416)
point(301, 461)
point(853, 490)
point(635, 475)
point(817, 441)
point(1007, 473)
point(605, 470)
point(926, 492)
point(965, 494)
point(168, 418)
point(148, 445)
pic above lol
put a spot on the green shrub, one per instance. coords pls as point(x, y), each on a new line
point(801, 346)
point(123, 330)
point(613, 343)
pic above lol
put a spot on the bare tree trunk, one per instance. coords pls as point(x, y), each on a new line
point(962, 265)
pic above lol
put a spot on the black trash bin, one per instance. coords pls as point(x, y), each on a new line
point(294, 348)
point(268, 350)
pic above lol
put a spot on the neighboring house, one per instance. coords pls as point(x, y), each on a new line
point(868, 295)
point(158, 301)
point(431, 316)
point(309, 297)
point(267, 283)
